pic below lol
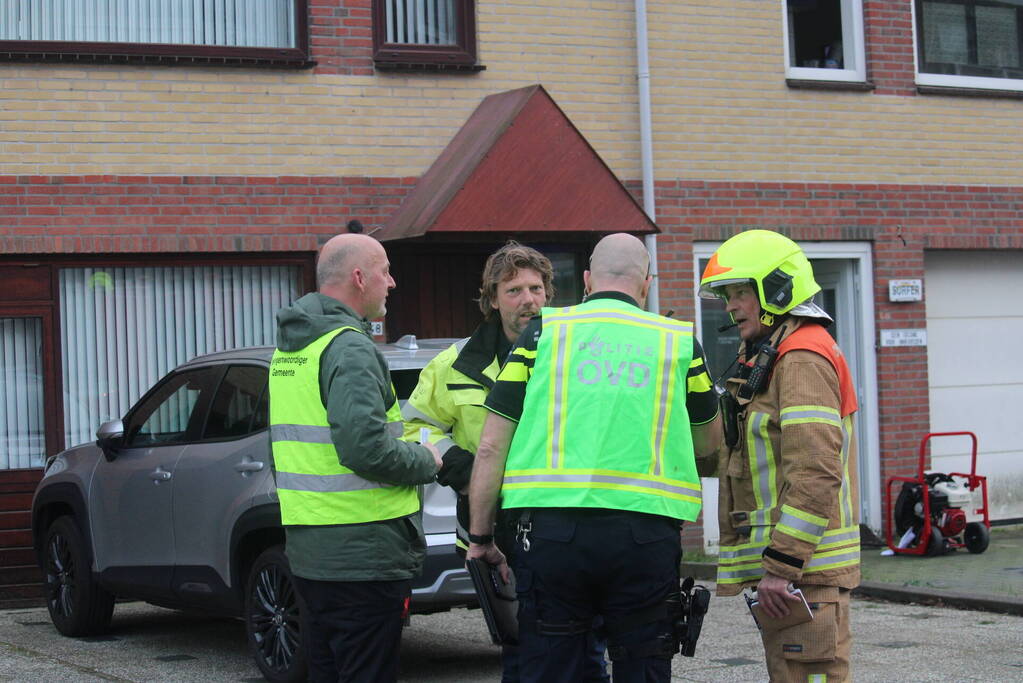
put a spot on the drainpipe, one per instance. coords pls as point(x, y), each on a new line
point(646, 150)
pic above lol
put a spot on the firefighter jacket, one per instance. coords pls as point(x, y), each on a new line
point(448, 401)
point(604, 421)
point(788, 497)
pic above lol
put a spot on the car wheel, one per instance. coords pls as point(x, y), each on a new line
point(78, 605)
point(273, 618)
point(976, 537)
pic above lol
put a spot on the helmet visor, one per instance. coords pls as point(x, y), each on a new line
point(716, 289)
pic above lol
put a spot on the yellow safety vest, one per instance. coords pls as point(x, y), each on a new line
point(314, 488)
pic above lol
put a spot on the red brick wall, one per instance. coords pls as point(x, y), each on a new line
point(132, 214)
point(900, 220)
point(341, 36)
point(114, 214)
point(888, 33)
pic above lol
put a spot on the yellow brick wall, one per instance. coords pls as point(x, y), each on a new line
point(721, 108)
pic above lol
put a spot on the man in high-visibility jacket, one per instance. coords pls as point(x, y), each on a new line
point(590, 443)
point(448, 400)
point(788, 509)
point(346, 483)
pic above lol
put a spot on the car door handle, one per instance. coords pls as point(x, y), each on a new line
point(248, 466)
point(160, 474)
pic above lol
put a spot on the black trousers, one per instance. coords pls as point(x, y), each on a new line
point(583, 563)
point(352, 632)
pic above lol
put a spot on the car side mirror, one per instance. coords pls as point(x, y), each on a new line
point(110, 437)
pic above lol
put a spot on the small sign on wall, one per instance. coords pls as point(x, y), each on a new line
point(903, 337)
point(905, 290)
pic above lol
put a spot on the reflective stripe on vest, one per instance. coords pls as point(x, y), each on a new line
point(312, 486)
point(606, 360)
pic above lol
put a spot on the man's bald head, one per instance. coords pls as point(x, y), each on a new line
point(620, 262)
point(340, 255)
point(353, 268)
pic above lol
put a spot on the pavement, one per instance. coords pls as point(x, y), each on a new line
point(991, 581)
point(949, 618)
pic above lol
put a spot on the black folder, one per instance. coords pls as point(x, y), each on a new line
point(497, 601)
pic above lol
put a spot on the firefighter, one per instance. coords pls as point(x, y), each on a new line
point(448, 400)
point(788, 509)
point(590, 441)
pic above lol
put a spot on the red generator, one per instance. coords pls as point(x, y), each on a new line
point(929, 514)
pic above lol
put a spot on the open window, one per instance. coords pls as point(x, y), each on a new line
point(824, 40)
point(219, 32)
point(970, 43)
point(425, 34)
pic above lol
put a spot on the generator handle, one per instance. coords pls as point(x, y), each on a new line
point(928, 437)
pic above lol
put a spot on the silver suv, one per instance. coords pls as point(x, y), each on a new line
point(175, 505)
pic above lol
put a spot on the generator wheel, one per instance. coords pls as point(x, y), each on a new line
point(976, 537)
point(936, 543)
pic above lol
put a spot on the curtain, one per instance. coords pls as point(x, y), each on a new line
point(122, 329)
point(22, 434)
point(243, 23)
point(420, 22)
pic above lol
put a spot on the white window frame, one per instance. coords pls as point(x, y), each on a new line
point(953, 81)
point(852, 35)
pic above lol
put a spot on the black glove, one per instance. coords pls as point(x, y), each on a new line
point(457, 468)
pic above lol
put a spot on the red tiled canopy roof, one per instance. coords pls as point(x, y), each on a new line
point(518, 165)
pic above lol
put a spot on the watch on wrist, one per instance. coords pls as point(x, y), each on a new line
point(481, 539)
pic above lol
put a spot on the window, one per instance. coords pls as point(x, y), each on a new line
point(970, 43)
point(22, 439)
point(824, 40)
point(124, 328)
point(172, 413)
point(240, 405)
point(272, 32)
point(428, 34)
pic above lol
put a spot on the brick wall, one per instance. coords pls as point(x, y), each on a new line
point(341, 36)
point(902, 221)
point(118, 214)
point(888, 33)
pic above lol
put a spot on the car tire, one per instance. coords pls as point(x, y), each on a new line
point(78, 605)
point(976, 537)
point(273, 618)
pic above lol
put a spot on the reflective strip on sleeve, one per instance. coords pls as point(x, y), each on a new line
point(300, 433)
point(817, 678)
point(794, 415)
point(326, 483)
point(843, 557)
point(409, 413)
point(801, 524)
point(395, 429)
point(834, 538)
point(444, 444)
point(514, 371)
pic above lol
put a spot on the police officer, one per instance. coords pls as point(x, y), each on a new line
point(595, 419)
point(346, 483)
point(788, 509)
point(448, 400)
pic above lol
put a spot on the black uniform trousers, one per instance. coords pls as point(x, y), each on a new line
point(352, 630)
point(583, 563)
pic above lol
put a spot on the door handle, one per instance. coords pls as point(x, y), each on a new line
point(246, 466)
point(160, 474)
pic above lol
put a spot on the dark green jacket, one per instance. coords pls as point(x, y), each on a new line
point(355, 387)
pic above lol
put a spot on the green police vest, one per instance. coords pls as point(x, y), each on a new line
point(312, 486)
point(604, 422)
